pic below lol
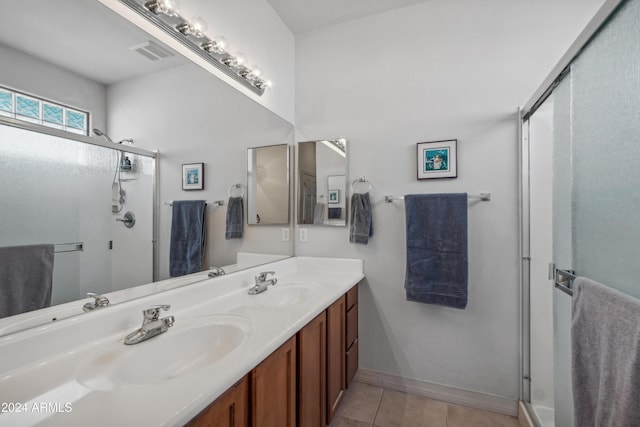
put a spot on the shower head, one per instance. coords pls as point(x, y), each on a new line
point(98, 132)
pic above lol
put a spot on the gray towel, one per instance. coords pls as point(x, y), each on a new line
point(361, 219)
point(188, 237)
point(26, 278)
point(235, 218)
point(605, 347)
point(437, 249)
point(318, 213)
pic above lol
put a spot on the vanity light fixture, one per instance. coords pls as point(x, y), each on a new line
point(192, 34)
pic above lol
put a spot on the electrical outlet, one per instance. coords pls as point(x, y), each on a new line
point(303, 235)
point(285, 234)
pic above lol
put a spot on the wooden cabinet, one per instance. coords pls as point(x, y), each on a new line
point(335, 355)
point(351, 343)
point(273, 389)
point(229, 410)
point(312, 373)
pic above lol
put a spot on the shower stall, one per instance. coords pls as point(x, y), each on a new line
point(58, 188)
point(580, 149)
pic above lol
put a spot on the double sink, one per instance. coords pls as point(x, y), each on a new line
point(189, 345)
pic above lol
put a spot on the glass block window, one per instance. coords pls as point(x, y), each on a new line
point(37, 110)
point(6, 101)
point(53, 113)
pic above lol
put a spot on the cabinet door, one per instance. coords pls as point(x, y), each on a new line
point(273, 388)
point(312, 368)
point(335, 355)
point(229, 410)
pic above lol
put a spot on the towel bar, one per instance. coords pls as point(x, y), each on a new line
point(564, 280)
point(208, 202)
point(484, 197)
point(60, 247)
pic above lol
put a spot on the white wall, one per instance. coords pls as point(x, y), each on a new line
point(437, 70)
point(36, 77)
point(250, 26)
point(191, 117)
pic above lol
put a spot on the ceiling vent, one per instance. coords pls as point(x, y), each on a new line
point(152, 50)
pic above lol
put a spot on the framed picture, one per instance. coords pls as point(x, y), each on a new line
point(437, 159)
point(193, 176)
point(334, 197)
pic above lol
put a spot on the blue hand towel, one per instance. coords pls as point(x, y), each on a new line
point(188, 237)
point(235, 218)
point(437, 249)
point(26, 278)
point(605, 360)
point(361, 219)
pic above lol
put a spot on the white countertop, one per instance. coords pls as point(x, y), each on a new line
point(43, 371)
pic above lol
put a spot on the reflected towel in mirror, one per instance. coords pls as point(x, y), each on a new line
point(188, 237)
point(26, 278)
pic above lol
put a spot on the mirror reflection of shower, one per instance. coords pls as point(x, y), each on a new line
point(122, 163)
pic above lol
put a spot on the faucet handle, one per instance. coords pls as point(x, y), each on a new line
point(100, 300)
point(153, 312)
point(263, 276)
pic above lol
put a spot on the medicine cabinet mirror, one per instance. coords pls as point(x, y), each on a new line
point(322, 178)
point(268, 185)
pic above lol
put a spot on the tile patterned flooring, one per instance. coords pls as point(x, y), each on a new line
point(365, 405)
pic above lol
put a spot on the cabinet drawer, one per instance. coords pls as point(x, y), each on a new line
point(352, 297)
point(352, 362)
point(352, 326)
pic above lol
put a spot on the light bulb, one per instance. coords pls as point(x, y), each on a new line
point(256, 72)
point(239, 59)
point(198, 27)
point(168, 7)
point(220, 45)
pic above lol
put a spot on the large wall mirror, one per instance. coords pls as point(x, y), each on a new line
point(268, 185)
point(322, 177)
point(85, 57)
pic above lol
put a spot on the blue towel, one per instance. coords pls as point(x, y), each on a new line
point(361, 219)
point(437, 249)
point(26, 278)
point(235, 218)
point(188, 237)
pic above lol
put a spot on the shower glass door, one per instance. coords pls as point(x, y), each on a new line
point(537, 143)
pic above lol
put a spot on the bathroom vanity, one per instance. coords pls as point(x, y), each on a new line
point(282, 357)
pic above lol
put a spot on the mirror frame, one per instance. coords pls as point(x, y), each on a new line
point(288, 160)
point(346, 183)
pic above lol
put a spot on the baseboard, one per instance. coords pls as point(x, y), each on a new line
point(523, 416)
point(458, 396)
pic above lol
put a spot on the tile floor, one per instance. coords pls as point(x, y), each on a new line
point(364, 405)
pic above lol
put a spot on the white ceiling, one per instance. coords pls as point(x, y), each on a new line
point(81, 36)
point(302, 16)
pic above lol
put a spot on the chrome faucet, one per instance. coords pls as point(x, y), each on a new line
point(99, 301)
point(215, 272)
point(152, 325)
point(262, 283)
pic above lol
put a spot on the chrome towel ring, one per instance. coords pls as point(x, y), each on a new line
point(361, 179)
point(237, 186)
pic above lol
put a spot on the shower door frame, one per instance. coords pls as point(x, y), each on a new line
point(524, 113)
point(153, 154)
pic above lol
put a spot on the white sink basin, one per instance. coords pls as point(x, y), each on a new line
point(189, 345)
point(284, 295)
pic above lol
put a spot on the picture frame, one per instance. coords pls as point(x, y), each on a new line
point(437, 159)
point(334, 197)
point(192, 176)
